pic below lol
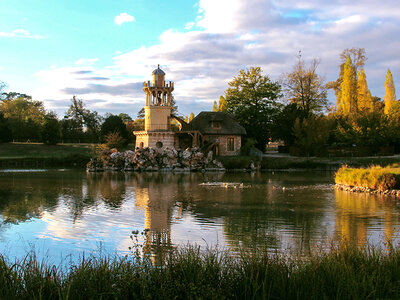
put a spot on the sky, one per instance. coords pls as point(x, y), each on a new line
point(102, 51)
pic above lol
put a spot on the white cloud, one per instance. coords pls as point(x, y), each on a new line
point(21, 33)
point(123, 18)
point(234, 35)
point(86, 61)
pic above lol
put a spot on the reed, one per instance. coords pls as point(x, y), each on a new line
point(342, 272)
point(375, 177)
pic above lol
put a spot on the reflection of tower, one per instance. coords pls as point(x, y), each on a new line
point(157, 131)
point(157, 200)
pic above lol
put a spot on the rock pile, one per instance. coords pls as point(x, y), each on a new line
point(152, 159)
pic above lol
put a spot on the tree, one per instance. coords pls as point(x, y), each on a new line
point(125, 117)
point(251, 99)
point(215, 106)
point(357, 58)
point(114, 124)
point(191, 117)
point(311, 134)
point(390, 93)
point(364, 98)
point(84, 117)
point(25, 116)
point(222, 104)
point(283, 123)
point(348, 102)
point(5, 130)
point(51, 131)
point(305, 87)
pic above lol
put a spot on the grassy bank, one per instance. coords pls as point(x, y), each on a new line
point(188, 273)
point(36, 154)
point(376, 177)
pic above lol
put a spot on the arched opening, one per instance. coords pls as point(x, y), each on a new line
point(141, 144)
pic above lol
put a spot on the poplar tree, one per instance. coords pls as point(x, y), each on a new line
point(215, 107)
point(357, 58)
point(348, 101)
point(191, 117)
point(390, 93)
point(364, 98)
point(222, 104)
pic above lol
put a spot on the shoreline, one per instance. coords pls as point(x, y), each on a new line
point(361, 189)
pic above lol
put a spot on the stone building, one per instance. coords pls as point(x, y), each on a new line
point(216, 131)
point(220, 132)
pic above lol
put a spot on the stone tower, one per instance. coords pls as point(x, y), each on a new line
point(157, 132)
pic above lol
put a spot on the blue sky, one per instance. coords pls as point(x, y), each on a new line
point(101, 51)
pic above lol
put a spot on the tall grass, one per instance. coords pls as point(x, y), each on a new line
point(346, 272)
point(374, 177)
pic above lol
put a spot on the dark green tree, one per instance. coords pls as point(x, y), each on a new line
point(90, 120)
point(51, 130)
point(251, 99)
point(114, 124)
point(283, 123)
point(5, 130)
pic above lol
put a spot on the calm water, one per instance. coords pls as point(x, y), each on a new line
point(64, 213)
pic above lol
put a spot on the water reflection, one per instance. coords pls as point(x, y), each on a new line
point(361, 217)
point(75, 211)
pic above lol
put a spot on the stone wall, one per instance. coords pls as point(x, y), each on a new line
point(222, 141)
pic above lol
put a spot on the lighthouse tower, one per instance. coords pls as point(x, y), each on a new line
point(157, 132)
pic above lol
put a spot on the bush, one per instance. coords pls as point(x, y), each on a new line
point(114, 140)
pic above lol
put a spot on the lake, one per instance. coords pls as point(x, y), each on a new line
point(63, 214)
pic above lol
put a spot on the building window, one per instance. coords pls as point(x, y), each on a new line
point(230, 144)
point(159, 145)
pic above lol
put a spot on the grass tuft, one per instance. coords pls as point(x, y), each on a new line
point(375, 177)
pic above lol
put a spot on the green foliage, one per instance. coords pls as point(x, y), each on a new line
point(82, 116)
point(251, 98)
point(51, 131)
point(284, 121)
point(374, 177)
point(366, 129)
point(304, 87)
point(114, 124)
point(311, 134)
point(5, 130)
point(125, 117)
point(25, 116)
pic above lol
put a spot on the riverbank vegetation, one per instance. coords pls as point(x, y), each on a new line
point(375, 177)
point(345, 272)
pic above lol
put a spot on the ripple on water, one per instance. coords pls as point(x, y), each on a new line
point(22, 170)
